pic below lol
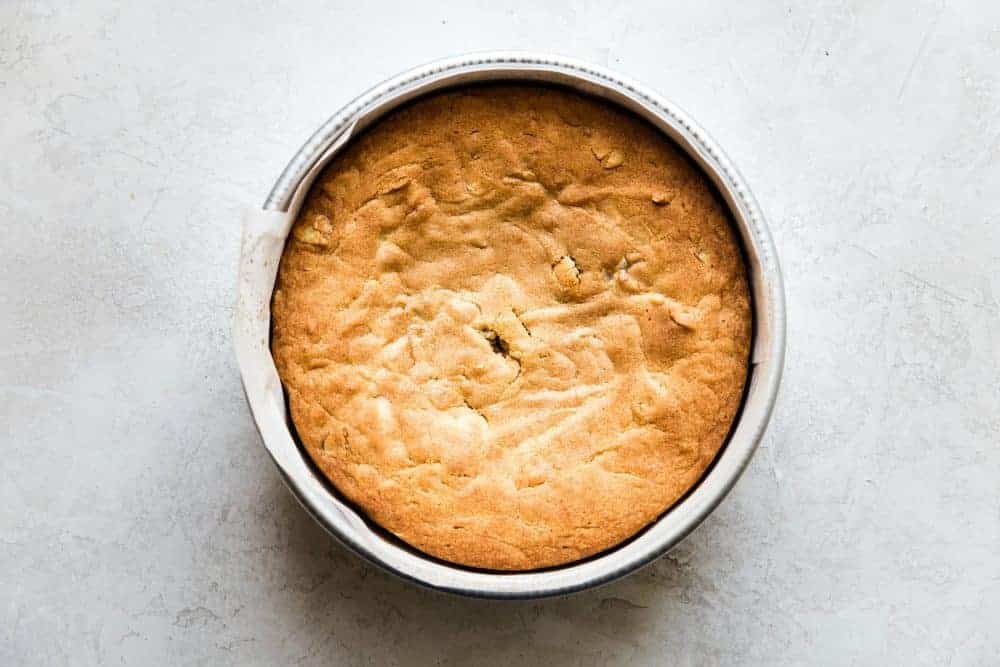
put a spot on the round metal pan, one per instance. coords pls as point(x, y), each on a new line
point(767, 356)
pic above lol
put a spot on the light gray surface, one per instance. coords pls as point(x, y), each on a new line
point(139, 516)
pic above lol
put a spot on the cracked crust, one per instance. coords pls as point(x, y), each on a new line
point(513, 324)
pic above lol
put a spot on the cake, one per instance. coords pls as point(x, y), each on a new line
point(513, 325)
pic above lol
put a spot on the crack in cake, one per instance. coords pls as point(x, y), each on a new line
point(513, 325)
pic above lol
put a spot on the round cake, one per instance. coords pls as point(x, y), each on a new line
point(513, 325)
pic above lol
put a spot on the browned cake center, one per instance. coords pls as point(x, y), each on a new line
point(513, 325)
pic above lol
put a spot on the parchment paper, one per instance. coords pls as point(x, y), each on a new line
point(264, 234)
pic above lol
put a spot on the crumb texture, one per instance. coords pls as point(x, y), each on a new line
point(513, 324)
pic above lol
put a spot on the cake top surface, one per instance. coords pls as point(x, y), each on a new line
point(513, 324)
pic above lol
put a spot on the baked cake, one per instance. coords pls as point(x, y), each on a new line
point(513, 324)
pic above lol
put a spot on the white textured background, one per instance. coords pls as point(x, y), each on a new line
point(141, 521)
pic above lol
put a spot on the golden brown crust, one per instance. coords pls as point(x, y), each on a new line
point(513, 323)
